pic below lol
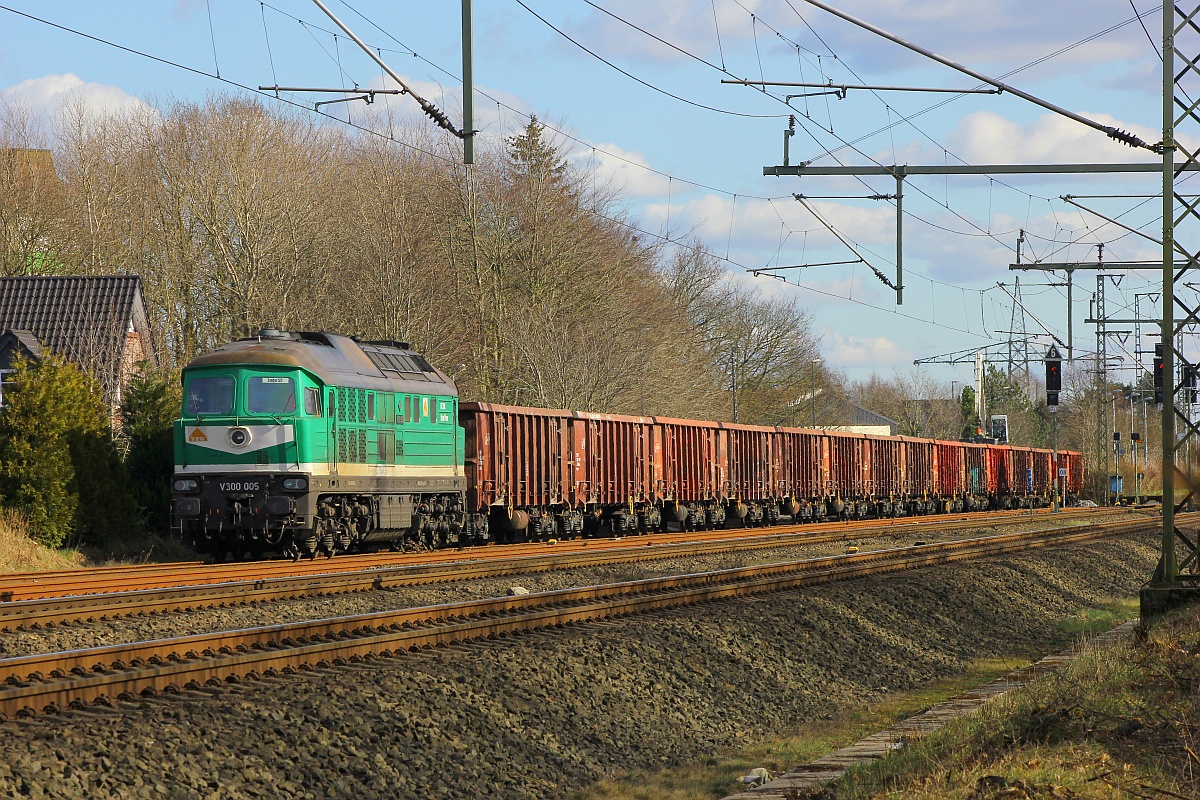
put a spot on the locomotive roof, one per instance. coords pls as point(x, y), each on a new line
point(337, 360)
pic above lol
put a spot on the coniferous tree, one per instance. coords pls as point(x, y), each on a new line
point(58, 465)
point(148, 411)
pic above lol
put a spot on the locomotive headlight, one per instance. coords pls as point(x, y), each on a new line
point(295, 484)
point(239, 437)
point(186, 485)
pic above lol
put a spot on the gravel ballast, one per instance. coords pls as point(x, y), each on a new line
point(145, 628)
point(537, 715)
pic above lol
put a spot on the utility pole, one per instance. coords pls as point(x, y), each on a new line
point(1181, 37)
point(980, 403)
point(468, 59)
point(1170, 585)
point(1103, 447)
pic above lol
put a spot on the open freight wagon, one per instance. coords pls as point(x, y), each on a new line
point(545, 473)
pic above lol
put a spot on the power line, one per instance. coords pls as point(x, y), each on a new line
point(390, 138)
point(635, 78)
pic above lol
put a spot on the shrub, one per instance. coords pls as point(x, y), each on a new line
point(148, 412)
point(58, 465)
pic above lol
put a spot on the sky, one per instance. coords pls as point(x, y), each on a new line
point(634, 90)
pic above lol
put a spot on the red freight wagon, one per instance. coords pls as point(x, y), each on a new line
point(1074, 467)
point(1042, 471)
point(850, 464)
point(887, 466)
point(690, 458)
point(975, 473)
point(797, 466)
point(999, 471)
point(1021, 459)
point(749, 472)
point(619, 465)
point(918, 464)
point(950, 480)
point(545, 472)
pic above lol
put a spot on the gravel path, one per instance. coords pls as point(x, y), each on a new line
point(535, 716)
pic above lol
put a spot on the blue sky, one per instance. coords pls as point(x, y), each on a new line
point(688, 152)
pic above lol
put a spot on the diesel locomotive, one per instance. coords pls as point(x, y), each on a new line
point(310, 443)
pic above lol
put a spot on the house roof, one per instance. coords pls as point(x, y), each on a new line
point(862, 416)
point(85, 319)
point(21, 340)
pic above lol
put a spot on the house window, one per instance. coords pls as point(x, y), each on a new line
point(4, 373)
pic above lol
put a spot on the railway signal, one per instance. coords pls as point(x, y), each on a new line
point(1053, 375)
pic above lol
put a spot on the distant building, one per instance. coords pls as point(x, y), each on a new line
point(862, 418)
point(98, 323)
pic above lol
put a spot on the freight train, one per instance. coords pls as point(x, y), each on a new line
point(307, 443)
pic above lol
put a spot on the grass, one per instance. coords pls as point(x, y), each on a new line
point(1118, 723)
point(718, 776)
point(136, 548)
point(20, 553)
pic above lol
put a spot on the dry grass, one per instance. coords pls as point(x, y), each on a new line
point(717, 776)
point(1118, 723)
point(136, 548)
point(20, 553)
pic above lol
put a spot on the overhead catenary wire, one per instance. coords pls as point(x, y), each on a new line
point(392, 138)
point(635, 78)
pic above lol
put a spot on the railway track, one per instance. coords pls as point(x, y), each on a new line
point(62, 583)
point(65, 609)
point(101, 676)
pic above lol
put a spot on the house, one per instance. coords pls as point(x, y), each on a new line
point(97, 322)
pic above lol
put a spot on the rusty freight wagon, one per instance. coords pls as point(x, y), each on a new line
point(544, 473)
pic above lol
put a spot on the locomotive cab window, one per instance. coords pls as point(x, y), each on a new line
point(312, 402)
point(210, 395)
point(270, 395)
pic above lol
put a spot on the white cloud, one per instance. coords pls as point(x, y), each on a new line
point(629, 171)
point(747, 223)
point(985, 137)
point(46, 96)
point(974, 32)
point(492, 121)
point(854, 351)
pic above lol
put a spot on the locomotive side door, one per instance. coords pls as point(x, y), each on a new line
point(332, 410)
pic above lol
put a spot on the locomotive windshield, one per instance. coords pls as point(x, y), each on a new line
point(270, 395)
point(210, 395)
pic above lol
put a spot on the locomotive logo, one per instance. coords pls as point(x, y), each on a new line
point(241, 438)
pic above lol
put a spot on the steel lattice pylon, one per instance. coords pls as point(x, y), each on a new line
point(1174, 580)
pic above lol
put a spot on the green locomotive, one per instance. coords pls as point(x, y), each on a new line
point(307, 443)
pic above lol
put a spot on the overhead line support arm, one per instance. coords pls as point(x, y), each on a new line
point(1125, 137)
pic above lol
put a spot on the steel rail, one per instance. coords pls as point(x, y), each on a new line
point(50, 682)
point(28, 586)
point(87, 608)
